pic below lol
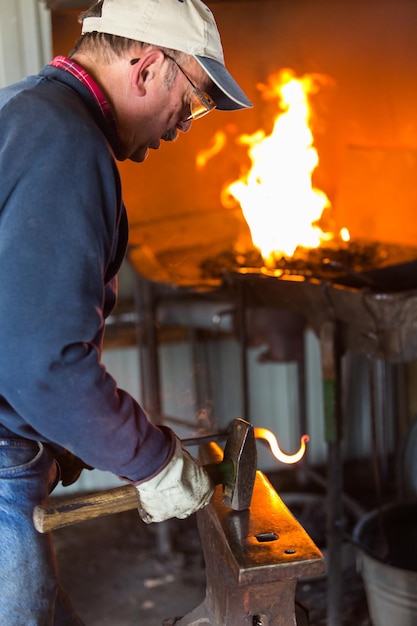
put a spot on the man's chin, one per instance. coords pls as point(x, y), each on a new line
point(140, 155)
point(170, 135)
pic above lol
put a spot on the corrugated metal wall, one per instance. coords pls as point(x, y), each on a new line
point(274, 399)
point(273, 394)
point(25, 38)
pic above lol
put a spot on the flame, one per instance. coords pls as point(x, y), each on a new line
point(344, 234)
point(264, 433)
point(217, 144)
point(277, 197)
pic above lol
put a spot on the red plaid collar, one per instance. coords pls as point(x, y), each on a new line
point(70, 66)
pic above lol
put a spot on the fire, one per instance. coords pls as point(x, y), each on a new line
point(277, 197)
point(217, 144)
point(344, 234)
point(264, 433)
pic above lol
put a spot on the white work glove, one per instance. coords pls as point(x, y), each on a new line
point(178, 490)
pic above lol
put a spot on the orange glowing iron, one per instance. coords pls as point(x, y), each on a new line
point(289, 459)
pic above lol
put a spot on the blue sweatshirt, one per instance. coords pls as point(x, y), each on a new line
point(63, 236)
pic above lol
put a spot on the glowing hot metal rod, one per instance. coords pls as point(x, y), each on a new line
point(269, 437)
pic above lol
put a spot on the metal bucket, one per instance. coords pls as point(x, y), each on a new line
point(388, 561)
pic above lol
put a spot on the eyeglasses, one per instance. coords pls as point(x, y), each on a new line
point(200, 103)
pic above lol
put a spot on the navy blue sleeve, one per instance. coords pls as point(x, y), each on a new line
point(62, 237)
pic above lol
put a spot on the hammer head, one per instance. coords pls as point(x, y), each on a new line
point(240, 450)
point(237, 471)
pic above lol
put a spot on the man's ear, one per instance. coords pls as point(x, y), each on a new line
point(146, 70)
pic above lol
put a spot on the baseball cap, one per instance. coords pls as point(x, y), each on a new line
point(184, 25)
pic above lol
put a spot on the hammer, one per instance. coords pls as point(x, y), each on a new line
point(236, 472)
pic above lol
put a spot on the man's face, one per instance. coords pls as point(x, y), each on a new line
point(164, 110)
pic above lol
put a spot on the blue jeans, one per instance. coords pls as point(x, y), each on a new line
point(30, 591)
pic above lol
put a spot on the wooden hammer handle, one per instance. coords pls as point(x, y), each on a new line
point(80, 508)
point(66, 511)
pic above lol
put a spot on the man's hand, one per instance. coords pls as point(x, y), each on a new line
point(178, 490)
point(70, 468)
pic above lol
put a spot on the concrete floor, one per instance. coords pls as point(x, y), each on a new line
point(114, 575)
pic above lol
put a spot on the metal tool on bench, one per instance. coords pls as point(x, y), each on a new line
point(235, 471)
